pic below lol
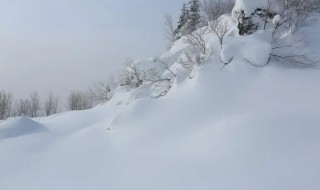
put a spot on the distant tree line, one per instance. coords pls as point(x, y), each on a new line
point(32, 106)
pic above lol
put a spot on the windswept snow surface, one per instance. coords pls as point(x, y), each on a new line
point(237, 128)
point(234, 127)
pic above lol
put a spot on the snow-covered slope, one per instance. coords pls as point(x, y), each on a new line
point(226, 127)
point(236, 128)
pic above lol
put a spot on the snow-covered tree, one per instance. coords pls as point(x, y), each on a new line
point(189, 19)
point(131, 75)
point(259, 14)
point(220, 28)
point(254, 15)
point(182, 21)
point(102, 91)
point(246, 24)
point(193, 17)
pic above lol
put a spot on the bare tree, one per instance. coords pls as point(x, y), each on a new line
point(154, 77)
point(314, 6)
point(220, 28)
point(101, 90)
point(79, 101)
point(198, 50)
point(293, 13)
point(213, 9)
point(6, 99)
point(289, 52)
point(198, 43)
point(169, 29)
point(50, 105)
point(22, 107)
point(190, 60)
point(35, 104)
point(159, 79)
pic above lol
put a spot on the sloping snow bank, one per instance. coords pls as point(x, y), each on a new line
point(238, 128)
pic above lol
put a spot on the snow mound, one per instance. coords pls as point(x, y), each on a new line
point(16, 127)
point(255, 49)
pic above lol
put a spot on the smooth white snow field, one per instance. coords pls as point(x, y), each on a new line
point(241, 127)
point(248, 125)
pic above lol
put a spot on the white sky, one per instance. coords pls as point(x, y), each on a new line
point(64, 45)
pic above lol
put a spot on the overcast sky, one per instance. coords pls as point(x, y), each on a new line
point(64, 45)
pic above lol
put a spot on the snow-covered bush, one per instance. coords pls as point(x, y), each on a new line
point(102, 91)
point(131, 75)
point(283, 18)
point(255, 15)
point(159, 78)
point(246, 25)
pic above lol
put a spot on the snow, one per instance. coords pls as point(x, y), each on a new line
point(206, 133)
point(255, 48)
point(236, 126)
point(276, 20)
point(16, 127)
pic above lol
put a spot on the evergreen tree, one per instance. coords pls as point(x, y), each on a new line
point(189, 19)
point(182, 21)
point(193, 17)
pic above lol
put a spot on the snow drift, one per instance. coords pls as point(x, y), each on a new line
point(205, 134)
point(224, 127)
point(16, 127)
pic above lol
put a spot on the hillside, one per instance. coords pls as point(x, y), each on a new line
point(251, 124)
